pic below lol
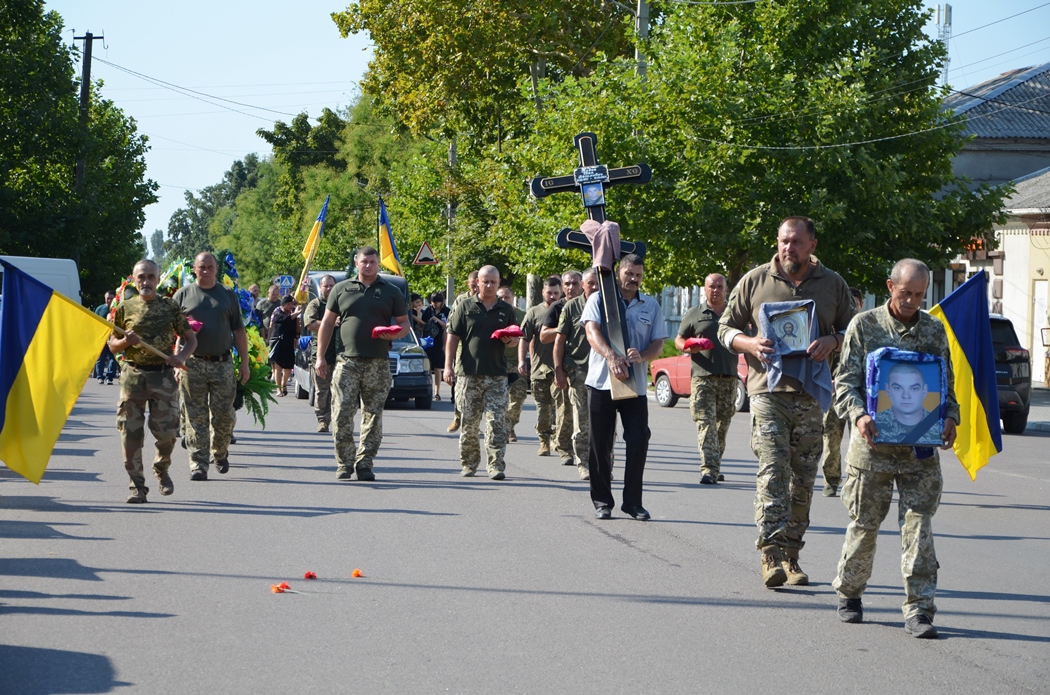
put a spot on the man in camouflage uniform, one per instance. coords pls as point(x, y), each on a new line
point(714, 381)
point(571, 355)
point(362, 375)
point(209, 386)
point(787, 422)
point(312, 317)
point(519, 385)
point(147, 380)
point(472, 291)
point(571, 287)
point(542, 363)
point(834, 426)
point(483, 373)
point(873, 469)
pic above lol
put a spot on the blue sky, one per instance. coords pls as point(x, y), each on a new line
point(289, 57)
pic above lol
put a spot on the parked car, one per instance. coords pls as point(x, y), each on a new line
point(410, 372)
point(1013, 375)
point(672, 377)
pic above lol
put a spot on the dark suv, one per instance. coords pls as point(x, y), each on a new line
point(410, 373)
point(1013, 375)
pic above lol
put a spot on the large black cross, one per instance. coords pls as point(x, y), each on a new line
point(591, 180)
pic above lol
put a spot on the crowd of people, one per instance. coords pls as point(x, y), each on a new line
point(486, 350)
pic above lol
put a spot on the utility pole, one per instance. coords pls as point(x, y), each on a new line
point(85, 101)
point(944, 34)
point(450, 213)
point(641, 26)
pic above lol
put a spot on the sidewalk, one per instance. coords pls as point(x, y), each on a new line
point(1039, 415)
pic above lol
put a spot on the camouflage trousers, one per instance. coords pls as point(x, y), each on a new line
point(476, 396)
point(159, 393)
point(364, 382)
point(322, 396)
point(867, 496)
point(578, 414)
point(786, 437)
point(208, 390)
point(713, 403)
point(516, 399)
point(545, 407)
point(831, 460)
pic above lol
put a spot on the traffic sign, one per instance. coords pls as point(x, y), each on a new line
point(285, 282)
point(425, 256)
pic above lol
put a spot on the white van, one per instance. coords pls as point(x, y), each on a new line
point(60, 274)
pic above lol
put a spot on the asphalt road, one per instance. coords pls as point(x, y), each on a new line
point(474, 586)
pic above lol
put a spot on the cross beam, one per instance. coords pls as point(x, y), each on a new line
point(591, 180)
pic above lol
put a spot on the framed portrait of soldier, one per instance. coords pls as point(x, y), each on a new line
point(907, 397)
point(787, 325)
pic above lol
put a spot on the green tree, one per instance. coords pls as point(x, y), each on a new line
point(41, 138)
point(453, 66)
point(754, 112)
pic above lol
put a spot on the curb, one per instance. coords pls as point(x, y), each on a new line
point(1039, 426)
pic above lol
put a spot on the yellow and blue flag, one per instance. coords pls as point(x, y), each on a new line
point(964, 314)
point(313, 241)
point(387, 248)
point(48, 344)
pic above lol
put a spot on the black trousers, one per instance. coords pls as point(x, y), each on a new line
point(634, 416)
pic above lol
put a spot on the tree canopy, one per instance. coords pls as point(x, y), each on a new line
point(42, 212)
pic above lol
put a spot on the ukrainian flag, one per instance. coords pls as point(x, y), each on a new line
point(387, 248)
point(313, 242)
point(964, 314)
point(48, 344)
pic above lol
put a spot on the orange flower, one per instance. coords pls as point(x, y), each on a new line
point(357, 573)
point(309, 575)
point(277, 588)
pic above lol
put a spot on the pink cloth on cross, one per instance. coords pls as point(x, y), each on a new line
point(605, 242)
point(508, 332)
point(385, 332)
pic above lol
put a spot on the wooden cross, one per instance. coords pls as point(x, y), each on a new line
point(591, 180)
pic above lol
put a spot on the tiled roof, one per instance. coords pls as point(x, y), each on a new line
point(1033, 191)
point(1015, 104)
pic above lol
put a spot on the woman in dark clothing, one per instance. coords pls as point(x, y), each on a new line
point(283, 333)
point(435, 317)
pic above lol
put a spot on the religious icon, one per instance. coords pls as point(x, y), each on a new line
point(907, 396)
point(593, 194)
point(787, 324)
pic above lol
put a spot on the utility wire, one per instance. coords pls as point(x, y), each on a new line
point(970, 31)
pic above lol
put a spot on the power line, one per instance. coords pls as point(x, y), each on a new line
point(970, 31)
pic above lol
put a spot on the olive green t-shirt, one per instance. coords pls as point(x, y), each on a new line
point(542, 353)
point(219, 312)
point(157, 322)
point(315, 312)
point(577, 348)
point(265, 308)
point(511, 352)
point(361, 309)
point(473, 324)
point(702, 322)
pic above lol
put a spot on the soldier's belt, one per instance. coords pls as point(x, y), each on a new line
point(225, 357)
point(148, 367)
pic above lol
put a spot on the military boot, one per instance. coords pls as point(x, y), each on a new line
point(795, 575)
point(545, 448)
point(773, 573)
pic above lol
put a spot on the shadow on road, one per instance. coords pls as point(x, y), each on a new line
point(36, 671)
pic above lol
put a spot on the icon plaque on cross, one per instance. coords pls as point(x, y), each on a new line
point(591, 180)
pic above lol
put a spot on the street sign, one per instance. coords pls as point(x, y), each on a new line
point(425, 256)
point(285, 282)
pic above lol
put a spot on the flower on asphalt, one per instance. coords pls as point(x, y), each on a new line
point(309, 575)
point(357, 573)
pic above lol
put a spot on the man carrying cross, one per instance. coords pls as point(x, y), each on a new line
point(646, 333)
point(619, 352)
